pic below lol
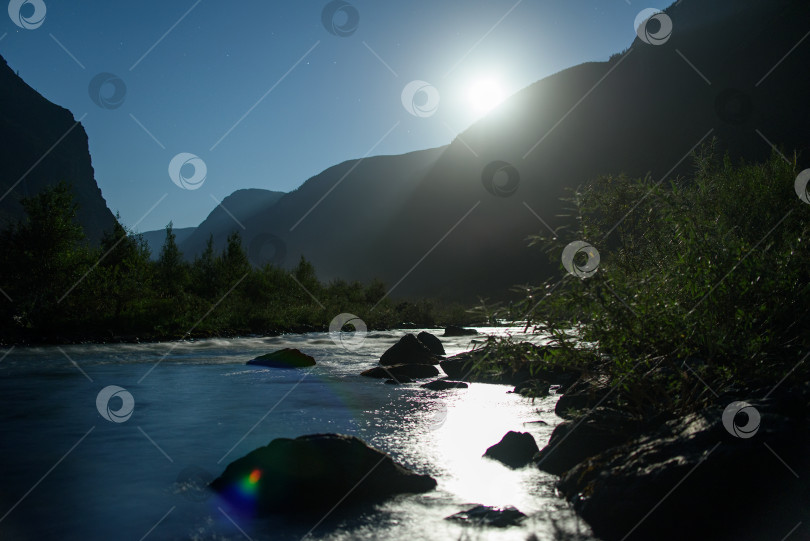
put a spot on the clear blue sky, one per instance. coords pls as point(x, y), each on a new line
point(338, 102)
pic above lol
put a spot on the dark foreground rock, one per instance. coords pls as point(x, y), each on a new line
point(444, 384)
point(409, 350)
point(454, 330)
point(432, 342)
point(594, 424)
point(469, 366)
point(401, 372)
point(311, 474)
point(483, 515)
point(692, 479)
point(533, 388)
point(516, 449)
point(284, 358)
point(584, 394)
point(576, 440)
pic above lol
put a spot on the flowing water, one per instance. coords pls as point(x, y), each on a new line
point(68, 473)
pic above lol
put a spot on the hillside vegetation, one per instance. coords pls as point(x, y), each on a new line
point(59, 288)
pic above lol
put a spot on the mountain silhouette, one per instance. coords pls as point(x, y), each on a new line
point(332, 216)
point(228, 216)
point(42, 145)
point(155, 238)
point(452, 222)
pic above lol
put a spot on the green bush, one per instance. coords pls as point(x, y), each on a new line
point(703, 286)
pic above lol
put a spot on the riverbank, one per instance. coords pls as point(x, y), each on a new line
point(730, 469)
point(691, 417)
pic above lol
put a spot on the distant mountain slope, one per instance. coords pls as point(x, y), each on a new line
point(334, 216)
point(426, 223)
point(229, 216)
point(155, 239)
point(30, 126)
point(641, 113)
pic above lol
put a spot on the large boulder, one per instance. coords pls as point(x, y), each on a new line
point(516, 449)
point(455, 330)
point(284, 358)
point(576, 440)
point(484, 515)
point(402, 372)
point(584, 394)
point(311, 474)
point(692, 479)
point(409, 350)
point(484, 365)
point(432, 342)
point(533, 388)
point(462, 365)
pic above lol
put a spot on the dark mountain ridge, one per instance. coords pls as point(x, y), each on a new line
point(229, 215)
point(42, 145)
point(425, 221)
point(431, 223)
point(331, 217)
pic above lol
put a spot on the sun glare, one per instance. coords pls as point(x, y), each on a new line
point(485, 94)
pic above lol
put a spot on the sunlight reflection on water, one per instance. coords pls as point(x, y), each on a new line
point(201, 400)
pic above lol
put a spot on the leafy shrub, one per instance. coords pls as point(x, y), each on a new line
point(703, 284)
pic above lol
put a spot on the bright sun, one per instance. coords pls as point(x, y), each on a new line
point(485, 94)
